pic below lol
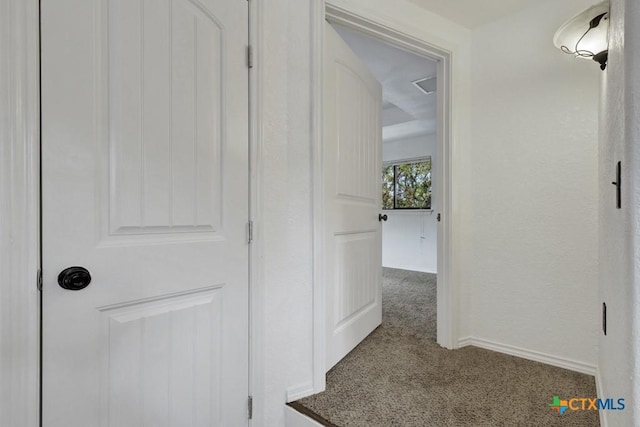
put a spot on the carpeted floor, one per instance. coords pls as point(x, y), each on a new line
point(399, 376)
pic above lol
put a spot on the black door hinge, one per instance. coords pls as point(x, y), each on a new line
point(618, 184)
point(250, 56)
point(250, 232)
point(250, 407)
point(39, 280)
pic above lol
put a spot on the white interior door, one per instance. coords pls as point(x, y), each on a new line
point(352, 198)
point(145, 166)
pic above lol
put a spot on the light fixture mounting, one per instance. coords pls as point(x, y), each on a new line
point(586, 35)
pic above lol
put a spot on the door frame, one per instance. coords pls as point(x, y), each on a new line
point(446, 285)
point(19, 213)
point(257, 380)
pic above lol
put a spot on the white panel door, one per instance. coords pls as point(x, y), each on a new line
point(145, 166)
point(352, 198)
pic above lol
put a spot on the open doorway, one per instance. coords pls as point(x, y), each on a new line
point(350, 209)
point(442, 183)
point(382, 147)
point(324, 169)
point(410, 160)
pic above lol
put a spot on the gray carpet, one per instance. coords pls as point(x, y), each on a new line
point(399, 376)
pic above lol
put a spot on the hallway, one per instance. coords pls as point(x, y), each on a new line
point(399, 376)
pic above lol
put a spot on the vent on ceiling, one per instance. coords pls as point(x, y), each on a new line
point(427, 85)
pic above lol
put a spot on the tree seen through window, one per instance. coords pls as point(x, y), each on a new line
point(407, 185)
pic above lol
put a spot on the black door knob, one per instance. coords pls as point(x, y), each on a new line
point(74, 278)
point(382, 217)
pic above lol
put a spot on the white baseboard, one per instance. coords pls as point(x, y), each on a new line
point(298, 392)
point(604, 422)
point(293, 418)
point(417, 269)
point(536, 356)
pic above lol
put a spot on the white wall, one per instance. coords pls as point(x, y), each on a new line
point(619, 229)
point(285, 228)
point(409, 238)
point(407, 148)
point(535, 189)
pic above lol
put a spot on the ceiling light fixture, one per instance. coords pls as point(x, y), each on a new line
point(586, 35)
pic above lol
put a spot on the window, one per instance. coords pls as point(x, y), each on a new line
point(407, 185)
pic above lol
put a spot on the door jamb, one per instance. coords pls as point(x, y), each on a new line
point(446, 292)
point(19, 212)
point(256, 280)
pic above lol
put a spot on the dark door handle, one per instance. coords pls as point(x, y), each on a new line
point(382, 217)
point(74, 278)
point(618, 184)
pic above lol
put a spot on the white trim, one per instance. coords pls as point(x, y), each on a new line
point(536, 356)
point(446, 286)
point(395, 36)
point(409, 212)
point(257, 381)
point(317, 166)
point(411, 269)
point(293, 418)
point(409, 160)
point(447, 295)
point(604, 421)
point(19, 213)
point(300, 391)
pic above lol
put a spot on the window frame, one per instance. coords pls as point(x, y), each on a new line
point(395, 163)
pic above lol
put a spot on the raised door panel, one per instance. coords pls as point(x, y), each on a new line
point(165, 88)
point(355, 281)
point(358, 143)
point(352, 185)
point(163, 360)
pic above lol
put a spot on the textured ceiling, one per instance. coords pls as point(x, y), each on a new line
point(474, 13)
point(406, 111)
